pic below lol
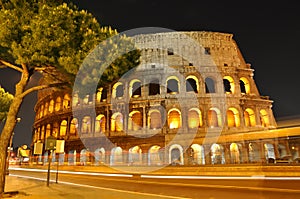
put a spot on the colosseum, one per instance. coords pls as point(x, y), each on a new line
point(191, 101)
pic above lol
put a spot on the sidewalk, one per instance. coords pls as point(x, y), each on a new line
point(21, 188)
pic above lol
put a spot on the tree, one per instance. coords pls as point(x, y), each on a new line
point(53, 39)
point(5, 101)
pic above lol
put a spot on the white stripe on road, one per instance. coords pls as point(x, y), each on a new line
point(103, 188)
point(256, 177)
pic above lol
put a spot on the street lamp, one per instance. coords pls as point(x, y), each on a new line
point(9, 148)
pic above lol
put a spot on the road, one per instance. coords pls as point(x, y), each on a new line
point(149, 186)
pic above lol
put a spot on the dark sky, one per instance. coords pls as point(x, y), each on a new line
point(267, 33)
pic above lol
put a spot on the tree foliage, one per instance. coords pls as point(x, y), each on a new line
point(5, 102)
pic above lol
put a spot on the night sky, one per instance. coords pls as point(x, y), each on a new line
point(266, 33)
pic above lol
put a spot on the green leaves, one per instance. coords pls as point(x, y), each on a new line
point(5, 101)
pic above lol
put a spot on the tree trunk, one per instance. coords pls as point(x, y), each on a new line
point(9, 126)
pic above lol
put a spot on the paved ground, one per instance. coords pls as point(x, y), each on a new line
point(21, 188)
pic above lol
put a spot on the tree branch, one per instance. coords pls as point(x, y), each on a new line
point(11, 66)
point(41, 87)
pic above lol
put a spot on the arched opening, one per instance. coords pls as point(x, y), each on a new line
point(75, 100)
point(72, 157)
point(135, 156)
point(282, 151)
point(41, 112)
point(174, 119)
point(154, 87)
point(192, 84)
point(117, 122)
point(235, 153)
point(194, 118)
point(66, 101)
point(74, 127)
point(217, 154)
point(63, 128)
point(116, 156)
point(84, 157)
point(264, 118)
point(176, 155)
point(135, 88)
point(48, 130)
point(51, 106)
point(99, 156)
point(233, 118)
point(100, 124)
point(118, 90)
point(249, 117)
point(198, 155)
point(46, 108)
point(254, 153)
point(58, 104)
point(209, 85)
point(269, 153)
point(155, 120)
point(135, 121)
point(244, 85)
point(86, 125)
point(155, 156)
point(228, 83)
point(214, 118)
point(172, 85)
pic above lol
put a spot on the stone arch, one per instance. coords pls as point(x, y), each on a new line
point(235, 153)
point(173, 85)
point(176, 154)
point(51, 106)
point(41, 111)
point(118, 90)
point(86, 124)
point(116, 156)
point(198, 155)
point(254, 152)
point(217, 154)
point(194, 118)
point(84, 157)
point(58, 104)
point(229, 84)
point(269, 152)
point(72, 154)
point(135, 88)
point(192, 84)
point(249, 117)
point(99, 156)
point(154, 119)
point(233, 117)
point(117, 122)
point(100, 123)
point(135, 155)
point(174, 118)
point(46, 109)
point(155, 155)
point(214, 117)
point(63, 128)
point(264, 118)
point(244, 85)
point(74, 127)
point(66, 101)
point(135, 121)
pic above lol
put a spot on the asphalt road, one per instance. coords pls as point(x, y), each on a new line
point(176, 187)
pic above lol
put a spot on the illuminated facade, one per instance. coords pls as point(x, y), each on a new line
point(190, 103)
